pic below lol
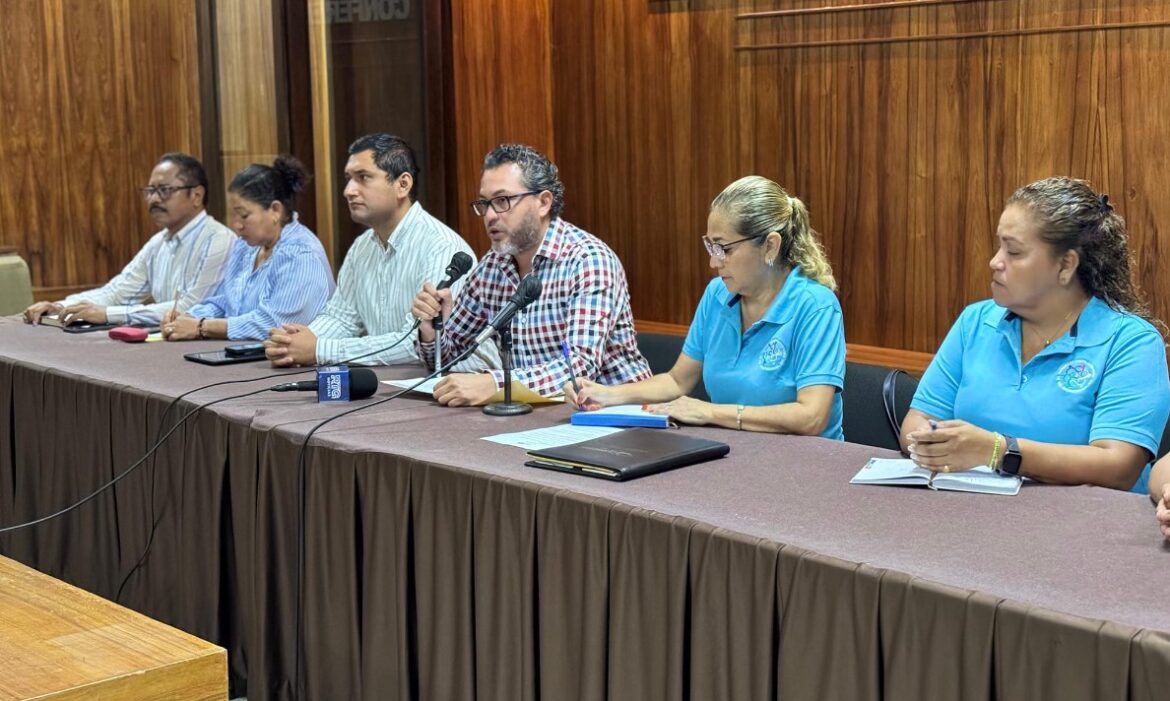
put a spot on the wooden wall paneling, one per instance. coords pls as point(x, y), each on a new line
point(905, 151)
point(27, 128)
point(325, 188)
point(208, 58)
point(443, 196)
point(92, 93)
point(297, 57)
point(626, 80)
point(377, 83)
point(1137, 89)
point(247, 76)
point(503, 76)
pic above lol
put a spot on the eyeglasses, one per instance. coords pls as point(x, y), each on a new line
point(164, 192)
point(720, 250)
point(499, 204)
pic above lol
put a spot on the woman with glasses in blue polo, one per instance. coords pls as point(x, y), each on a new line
point(1061, 376)
point(767, 339)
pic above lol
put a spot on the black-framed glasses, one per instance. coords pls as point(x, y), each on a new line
point(499, 204)
point(720, 250)
point(164, 192)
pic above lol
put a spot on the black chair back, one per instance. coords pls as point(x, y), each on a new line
point(661, 352)
point(864, 419)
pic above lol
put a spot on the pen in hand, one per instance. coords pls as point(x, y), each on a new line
point(175, 306)
point(933, 427)
point(572, 375)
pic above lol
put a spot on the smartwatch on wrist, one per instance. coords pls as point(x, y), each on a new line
point(1010, 463)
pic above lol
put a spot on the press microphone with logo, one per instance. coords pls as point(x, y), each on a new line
point(336, 383)
point(527, 292)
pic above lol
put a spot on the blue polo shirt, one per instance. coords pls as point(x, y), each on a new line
point(799, 342)
point(1105, 379)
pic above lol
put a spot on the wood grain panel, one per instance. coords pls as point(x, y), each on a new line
point(904, 151)
point(325, 176)
point(91, 93)
point(249, 103)
point(60, 643)
point(503, 79)
point(377, 84)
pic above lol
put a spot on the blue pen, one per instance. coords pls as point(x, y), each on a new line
point(572, 375)
point(933, 427)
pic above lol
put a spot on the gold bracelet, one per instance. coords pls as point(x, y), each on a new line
point(995, 453)
point(739, 417)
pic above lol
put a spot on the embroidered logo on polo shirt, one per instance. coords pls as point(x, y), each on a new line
point(774, 355)
point(1075, 375)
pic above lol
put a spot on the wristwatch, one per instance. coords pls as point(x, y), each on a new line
point(1010, 464)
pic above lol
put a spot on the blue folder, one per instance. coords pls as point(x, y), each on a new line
point(624, 415)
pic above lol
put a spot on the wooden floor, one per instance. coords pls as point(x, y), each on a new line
point(58, 642)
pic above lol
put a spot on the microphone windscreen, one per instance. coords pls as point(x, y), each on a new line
point(528, 291)
point(362, 383)
point(460, 264)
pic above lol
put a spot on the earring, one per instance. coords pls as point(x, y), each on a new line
point(771, 262)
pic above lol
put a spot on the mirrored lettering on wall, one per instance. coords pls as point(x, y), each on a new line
point(349, 11)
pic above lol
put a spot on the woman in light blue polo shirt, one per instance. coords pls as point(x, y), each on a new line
point(767, 339)
point(1059, 377)
point(277, 272)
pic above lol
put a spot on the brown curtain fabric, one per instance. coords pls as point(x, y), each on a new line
point(436, 566)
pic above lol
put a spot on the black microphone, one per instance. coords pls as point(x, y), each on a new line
point(335, 384)
point(527, 292)
point(457, 268)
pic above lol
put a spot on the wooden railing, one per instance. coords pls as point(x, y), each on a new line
point(913, 362)
point(913, 38)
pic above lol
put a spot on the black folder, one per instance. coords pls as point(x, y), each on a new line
point(629, 454)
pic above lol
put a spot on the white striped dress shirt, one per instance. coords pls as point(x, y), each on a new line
point(191, 260)
point(376, 289)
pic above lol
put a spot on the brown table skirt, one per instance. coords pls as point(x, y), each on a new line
point(437, 567)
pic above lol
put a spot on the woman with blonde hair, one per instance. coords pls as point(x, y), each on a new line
point(767, 339)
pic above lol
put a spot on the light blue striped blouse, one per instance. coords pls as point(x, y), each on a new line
point(291, 287)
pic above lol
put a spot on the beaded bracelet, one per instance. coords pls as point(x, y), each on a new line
point(739, 417)
point(994, 462)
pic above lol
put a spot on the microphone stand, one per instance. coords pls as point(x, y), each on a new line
point(507, 407)
point(437, 323)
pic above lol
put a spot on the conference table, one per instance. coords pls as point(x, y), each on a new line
point(436, 565)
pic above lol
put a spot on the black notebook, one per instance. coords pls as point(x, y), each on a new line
point(629, 454)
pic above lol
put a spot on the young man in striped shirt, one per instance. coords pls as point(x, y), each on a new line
point(187, 257)
point(584, 302)
point(368, 316)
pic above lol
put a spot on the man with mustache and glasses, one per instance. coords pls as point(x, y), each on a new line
point(584, 301)
point(186, 257)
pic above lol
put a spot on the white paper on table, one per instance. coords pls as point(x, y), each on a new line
point(551, 436)
point(427, 387)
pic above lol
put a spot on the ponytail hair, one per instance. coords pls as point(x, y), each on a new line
point(1071, 216)
point(279, 182)
point(757, 206)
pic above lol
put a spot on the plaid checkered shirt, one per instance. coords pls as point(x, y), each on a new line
point(584, 300)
